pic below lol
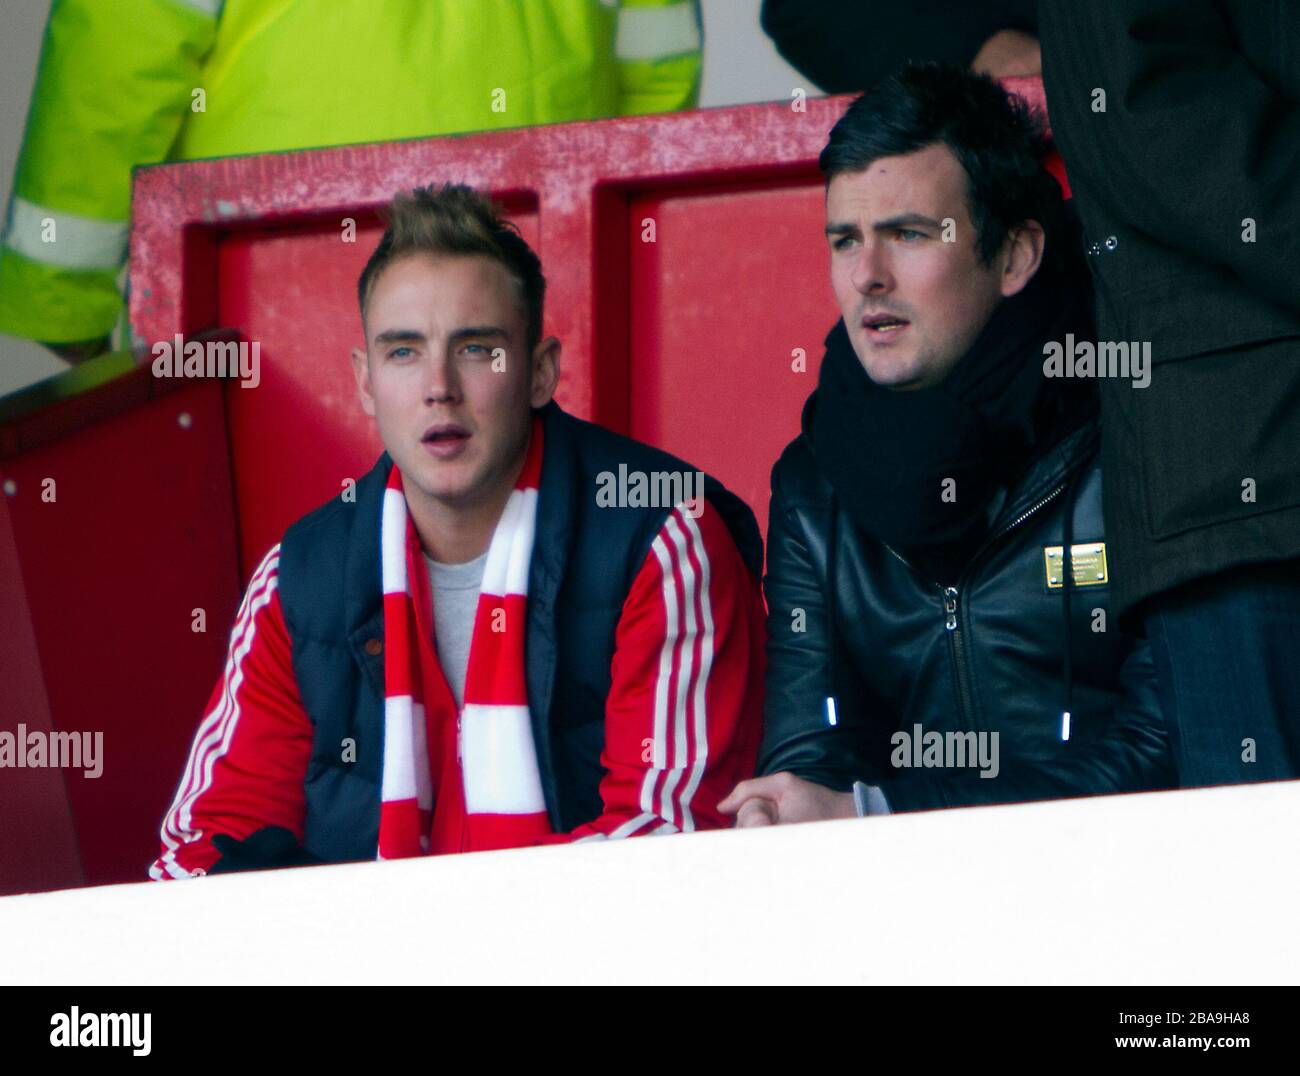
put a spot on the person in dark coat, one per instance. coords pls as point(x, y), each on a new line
point(1179, 124)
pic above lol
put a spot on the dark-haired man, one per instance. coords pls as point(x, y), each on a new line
point(489, 646)
point(937, 581)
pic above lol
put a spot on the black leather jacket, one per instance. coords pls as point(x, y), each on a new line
point(896, 650)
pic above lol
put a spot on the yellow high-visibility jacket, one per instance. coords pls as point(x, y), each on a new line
point(131, 82)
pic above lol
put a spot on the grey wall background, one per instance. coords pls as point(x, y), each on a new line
point(740, 65)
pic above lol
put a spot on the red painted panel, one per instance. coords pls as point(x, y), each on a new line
point(140, 533)
point(574, 174)
point(38, 842)
point(735, 281)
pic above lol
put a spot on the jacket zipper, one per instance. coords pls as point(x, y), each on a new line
point(956, 646)
point(965, 694)
point(1018, 520)
point(952, 614)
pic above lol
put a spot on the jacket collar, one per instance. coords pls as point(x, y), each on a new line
point(363, 586)
point(1051, 471)
point(557, 508)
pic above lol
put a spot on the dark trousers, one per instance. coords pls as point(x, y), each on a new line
point(1227, 658)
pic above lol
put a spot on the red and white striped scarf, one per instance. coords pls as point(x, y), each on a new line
point(503, 803)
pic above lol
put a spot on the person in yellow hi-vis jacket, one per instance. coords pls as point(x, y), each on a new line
point(130, 82)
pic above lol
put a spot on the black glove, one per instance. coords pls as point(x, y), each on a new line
point(270, 847)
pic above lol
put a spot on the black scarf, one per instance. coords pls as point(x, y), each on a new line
point(886, 453)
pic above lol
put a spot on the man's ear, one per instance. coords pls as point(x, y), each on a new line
point(545, 371)
point(1024, 254)
point(361, 371)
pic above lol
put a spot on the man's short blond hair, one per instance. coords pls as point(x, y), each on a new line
point(455, 219)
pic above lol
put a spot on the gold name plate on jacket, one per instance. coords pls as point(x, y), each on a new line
point(1087, 562)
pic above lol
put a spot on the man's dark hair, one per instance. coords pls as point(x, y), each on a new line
point(456, 219)
point(992, 134)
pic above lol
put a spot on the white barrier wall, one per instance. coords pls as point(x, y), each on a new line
point(1175, 887)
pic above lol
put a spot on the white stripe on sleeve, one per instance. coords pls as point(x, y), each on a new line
point(659, 746)
point(701, 681)
point(670, 805)
point(75, 242)
point(204, 7)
